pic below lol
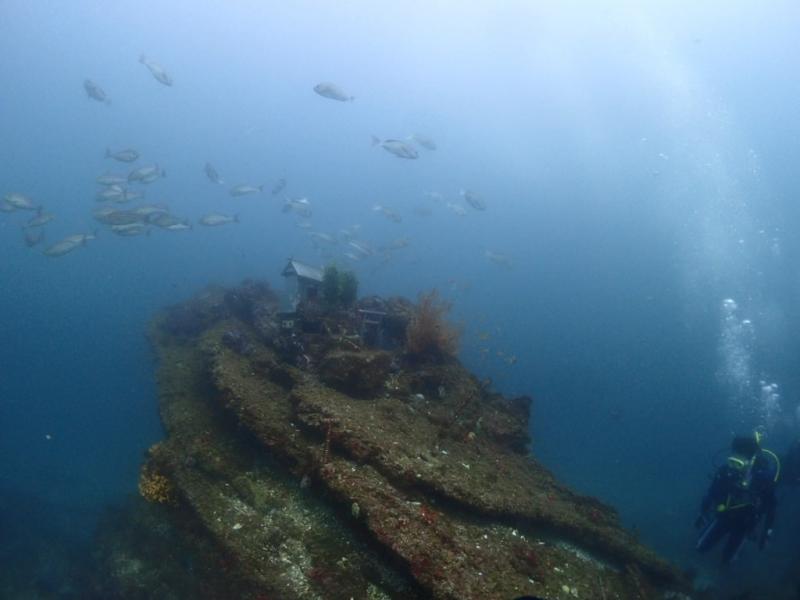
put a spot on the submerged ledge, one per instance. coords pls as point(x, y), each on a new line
point(301, 463)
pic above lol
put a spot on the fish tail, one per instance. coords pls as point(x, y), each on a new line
point(351, 98)
point(143, 59)
point(375, 141)
point(108, 102)
point(261, 188)
point(108, 152)
point(236, 218)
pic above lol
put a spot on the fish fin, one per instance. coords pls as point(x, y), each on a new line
point(236, 218)
point(163, 173)
point(143, 59)
point(375, 141)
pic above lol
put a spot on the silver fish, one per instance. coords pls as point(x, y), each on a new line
point(244, 190)
point(388, 213)
point(178, 227)
point(6, 207)
point(215, 219)
point(112, 192)
point(147, 210)
point(130, 229)
point(332, 91)
point(422, 140)
point(110, 216)
point(456, 208)
point(111, 179)
point(81, 238)
point(397, 147)
point(435, 196)
point(350, 233)
point(361, 248)
point(128, 195)
point(68, 244)
point(95, 92)
point(119, 194)
point(299, 206)
point(168, 221)
point(278, 187)
point(41, 218)
point(396, 244)
point(127, 155)
point(20, 201)
point(323, 238)
point(156, 70)
point(102, 212)
point(163, 220)
point(61, 248)
point(152, 176)
point(501, 260)
point(474, 199)
point(212, 174)
point(34, 236)
point(146, 174)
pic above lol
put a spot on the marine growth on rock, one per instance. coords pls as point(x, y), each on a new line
point(311, 461)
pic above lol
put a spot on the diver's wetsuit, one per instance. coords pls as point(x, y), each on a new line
point(738, 500)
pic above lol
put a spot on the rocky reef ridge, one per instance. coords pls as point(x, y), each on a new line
point(313, 456)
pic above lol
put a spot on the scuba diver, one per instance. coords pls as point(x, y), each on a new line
point(742, 493)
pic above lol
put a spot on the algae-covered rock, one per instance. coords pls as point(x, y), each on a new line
point(320, 468)
point(358, 373)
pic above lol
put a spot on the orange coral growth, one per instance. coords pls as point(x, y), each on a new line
point(428, 333)
point(155, 487)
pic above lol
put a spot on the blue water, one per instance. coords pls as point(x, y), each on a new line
point(638, 165)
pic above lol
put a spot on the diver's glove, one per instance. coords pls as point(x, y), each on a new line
point(765, 537)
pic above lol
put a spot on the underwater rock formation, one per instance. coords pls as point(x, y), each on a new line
point(311, 465)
